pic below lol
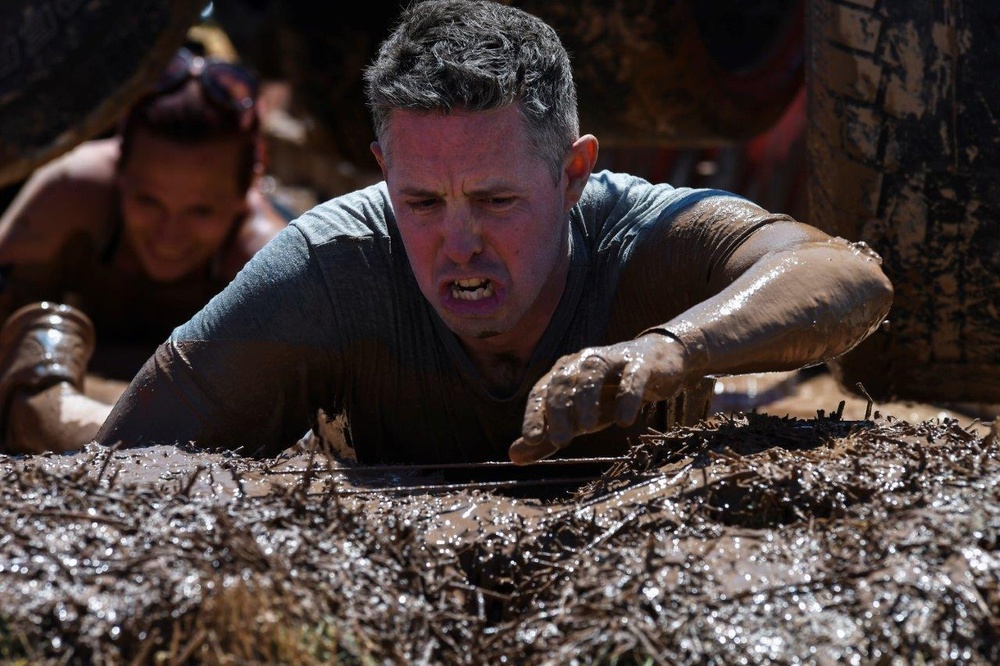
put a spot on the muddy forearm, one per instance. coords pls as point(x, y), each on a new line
point(790, 309)
point(242, 395)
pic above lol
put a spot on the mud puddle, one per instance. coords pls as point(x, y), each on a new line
point(755, 538)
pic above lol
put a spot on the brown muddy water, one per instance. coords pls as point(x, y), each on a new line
point(753, 539)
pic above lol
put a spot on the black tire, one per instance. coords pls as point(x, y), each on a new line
point(321, 49)
point(683, 72)
point(68, 68)
point(903, 155)
point(680, 73)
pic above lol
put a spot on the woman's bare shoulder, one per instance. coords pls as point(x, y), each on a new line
point(75, 192)
point(92, 161)
point(261, 225)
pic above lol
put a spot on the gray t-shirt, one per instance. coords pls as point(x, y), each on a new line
point(329, 316)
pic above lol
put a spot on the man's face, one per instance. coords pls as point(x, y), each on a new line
point(483, 222)
point(179, 202)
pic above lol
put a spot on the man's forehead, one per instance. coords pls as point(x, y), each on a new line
point(433, 139)
point(500, 122)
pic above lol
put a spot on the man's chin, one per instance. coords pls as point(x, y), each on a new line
point(464, 330)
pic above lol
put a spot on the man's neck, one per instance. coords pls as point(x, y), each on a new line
point(502, 359)
point(502, 372)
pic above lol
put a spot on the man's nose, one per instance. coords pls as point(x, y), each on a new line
point(463, 236)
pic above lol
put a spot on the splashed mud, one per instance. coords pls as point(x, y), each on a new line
point(753, 539)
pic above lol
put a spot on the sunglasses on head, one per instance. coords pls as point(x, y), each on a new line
point(225, 84)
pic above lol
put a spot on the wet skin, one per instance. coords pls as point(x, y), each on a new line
point(179, 203)
point(790, 296)
point(484, 224)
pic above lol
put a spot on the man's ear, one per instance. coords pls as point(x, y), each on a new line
point(379, 157)
point(578, 166)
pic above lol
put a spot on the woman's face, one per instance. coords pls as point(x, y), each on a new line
point(179, 202)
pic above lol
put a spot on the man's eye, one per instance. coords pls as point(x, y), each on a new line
point(422, 204)
point(500, 202)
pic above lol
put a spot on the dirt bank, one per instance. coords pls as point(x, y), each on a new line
point(756, 539)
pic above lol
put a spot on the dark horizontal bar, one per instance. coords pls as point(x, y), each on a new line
point(450, 487)
point(489, 465)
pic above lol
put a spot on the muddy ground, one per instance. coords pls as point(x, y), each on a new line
point(755, 538)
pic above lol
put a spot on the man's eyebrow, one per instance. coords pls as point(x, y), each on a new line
point(489, 188)
point(415, 191)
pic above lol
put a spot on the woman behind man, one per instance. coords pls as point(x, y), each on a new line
point(122, 239)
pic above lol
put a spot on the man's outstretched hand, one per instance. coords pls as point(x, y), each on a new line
point(594, 388)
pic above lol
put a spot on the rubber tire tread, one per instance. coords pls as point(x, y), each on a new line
point(68, 68)
point(902, 157)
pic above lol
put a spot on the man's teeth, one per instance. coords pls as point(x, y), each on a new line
point(472, 289)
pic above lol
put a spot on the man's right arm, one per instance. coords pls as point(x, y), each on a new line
point(253, 397)
point(247, 372)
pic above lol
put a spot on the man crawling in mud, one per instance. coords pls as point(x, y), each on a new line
point(494, 297)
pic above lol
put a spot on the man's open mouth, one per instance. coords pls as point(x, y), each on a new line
point(472, 289)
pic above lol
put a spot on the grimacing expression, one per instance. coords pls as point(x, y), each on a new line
point(483, 221)
point(179, 202)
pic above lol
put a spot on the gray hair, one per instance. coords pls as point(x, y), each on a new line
point(477, 55)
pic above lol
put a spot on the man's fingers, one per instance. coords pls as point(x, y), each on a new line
point(558, 423)
point(524, 453)
point(587, 390)
point(533, 426)
point(573, 396)
point(596, 388)
point(631, 390)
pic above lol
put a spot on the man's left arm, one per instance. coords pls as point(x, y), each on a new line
point(786, 297)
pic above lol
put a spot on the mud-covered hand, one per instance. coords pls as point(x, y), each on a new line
point(594, 388)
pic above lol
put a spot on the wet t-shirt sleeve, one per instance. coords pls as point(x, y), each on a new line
point(699, 240)
point(664, 249)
